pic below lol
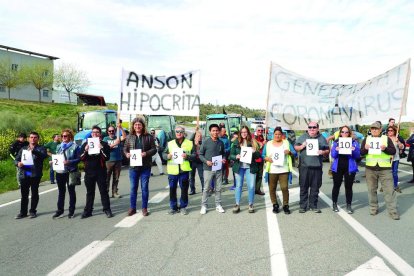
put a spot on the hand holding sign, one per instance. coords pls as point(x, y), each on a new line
point(177, 156)
point(217, 163)
point(27, 157)
point(94, 146)
point(246, 155)
point(345, 145)
point(57, 162)
point(312, 147)
point(135, 158)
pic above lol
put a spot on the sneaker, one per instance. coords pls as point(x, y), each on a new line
point(373, 212)
point(109, 214)
point(275, 208)
point(236, 209)
point(335, 207)
point(398, 189)
point(357, 181)
point(152, 174)
point(251, 209)
point(58, 215)
point(203, 210)
point(20, 216)
point(220, 209)
point(259, 192)
point(301, 210)
point(192, 193)
point(286, 209)
point(71, 215)
point(32, 215)
point(52, 182)
point(162, 173)
point(86, 215)
point(172, 212)
point(395, 216)
point(116, 195)
point(349, 209)
point(316, 210)
point(184, 211)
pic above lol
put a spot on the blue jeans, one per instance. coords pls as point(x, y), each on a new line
point(134, 176)
point(395, 172)
point(251, 182)
point(182, 179)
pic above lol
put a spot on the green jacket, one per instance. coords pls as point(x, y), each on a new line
point(235, 150)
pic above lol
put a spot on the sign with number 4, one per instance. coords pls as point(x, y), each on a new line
point(135, 160)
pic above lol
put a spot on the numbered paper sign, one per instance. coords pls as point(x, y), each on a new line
point(278, 156)
point(27, 157)
point(217, 163)
point(135, 160)
point(93, 144)
point(345, 145)
point(57, 162)
point(177, 156)
point(374, 145)
point(312, 147)
point(246, 155)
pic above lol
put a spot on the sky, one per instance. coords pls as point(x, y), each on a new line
point(231, 42)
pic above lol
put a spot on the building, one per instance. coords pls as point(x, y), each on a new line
point(17, 59)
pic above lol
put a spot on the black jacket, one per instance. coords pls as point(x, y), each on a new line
point(97, 162)
point(39, 154)
point(16, 146)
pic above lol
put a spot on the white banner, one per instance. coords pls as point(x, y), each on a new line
point(160, 95)
point(294, 101)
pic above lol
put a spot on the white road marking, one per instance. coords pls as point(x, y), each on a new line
point(399, 264)
point(18, 200)
point(405, 171)
point(81, 259)
point(294, 194)
point(129, 221)
point(277, 253)
point(374, 267)
point(158, 197)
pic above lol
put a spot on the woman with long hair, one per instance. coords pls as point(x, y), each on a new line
point(344, 166)
point(197, 164)
point(399, 145)
point(243, 169)
point(71, 154)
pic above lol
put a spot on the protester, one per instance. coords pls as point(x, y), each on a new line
point(71, 156)
point(51, 149)
point(95, 174)
point(277, 172)
point(139, 138)
point(179, 172)
point(242, 169)
point(225, 139)
point(30, 175)
point(212, 147)
point(14, 150)
point(344, 166)
point(234, 137)
point(410, 157)
point(156, 157)
point(310, 167)
point(399, 145)
point(261, 140)
point(114, 164)
point(378, 168)
point(196, 164)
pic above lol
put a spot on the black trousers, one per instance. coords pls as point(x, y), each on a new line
point(337, 182)
point(27, 184)
point(62, 180)
point(310, 180)
point(91, 179)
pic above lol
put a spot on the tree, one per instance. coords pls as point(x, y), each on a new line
point(10, 75)
point(68, 77)
point(40, 76)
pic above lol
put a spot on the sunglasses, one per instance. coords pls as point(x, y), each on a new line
point(312, 127)
point(110, 131)
point(344, 131)
point(259, 130)
point(64, 136)
point(179, 131)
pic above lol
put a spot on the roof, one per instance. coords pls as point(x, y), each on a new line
point(7, 48)
point(91, 99)
point(216, 116)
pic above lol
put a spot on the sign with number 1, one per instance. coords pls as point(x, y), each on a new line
point(27, 157)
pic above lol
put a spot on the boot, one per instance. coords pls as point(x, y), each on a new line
point(275, 208)
point(349, 209)
point(335, 207)
point(286, 209)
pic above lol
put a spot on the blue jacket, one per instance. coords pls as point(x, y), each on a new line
point(226, 143)
point(356, 154)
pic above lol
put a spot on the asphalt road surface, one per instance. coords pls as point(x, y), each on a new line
point(213, 244)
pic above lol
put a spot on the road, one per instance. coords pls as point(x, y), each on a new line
point(214, 244)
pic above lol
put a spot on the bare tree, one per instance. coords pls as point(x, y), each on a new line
point(68, 77)
point(10, 75)
point(40, 76)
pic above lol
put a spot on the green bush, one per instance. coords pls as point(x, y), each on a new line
point(17, 122)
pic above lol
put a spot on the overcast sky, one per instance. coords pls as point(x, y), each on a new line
point(231, 42)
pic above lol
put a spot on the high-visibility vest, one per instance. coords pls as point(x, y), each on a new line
point(173, 168)
point(270, 146)
point(383, 160)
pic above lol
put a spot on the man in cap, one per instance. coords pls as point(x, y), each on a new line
point(378, 162)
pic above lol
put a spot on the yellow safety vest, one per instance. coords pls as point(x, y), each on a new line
point(269, 146)
point(383, 160)
point(173, 168)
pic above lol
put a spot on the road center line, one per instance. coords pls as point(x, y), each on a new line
point(277, 253)
point(81, 259)
point(158, 197)
point(18, 200)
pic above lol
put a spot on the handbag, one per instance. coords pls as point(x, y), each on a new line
point(74, 178)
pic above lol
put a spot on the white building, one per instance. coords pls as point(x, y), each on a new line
point(19, 58)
